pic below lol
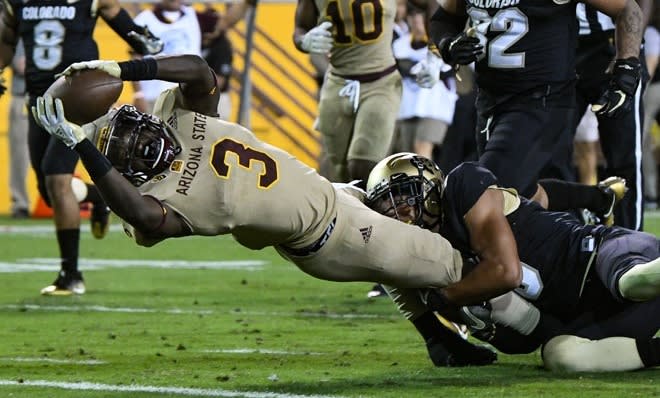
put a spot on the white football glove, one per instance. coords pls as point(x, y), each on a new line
point(149, 44)
point(110, 67)
point(49, 113)
point(427, 71)
point(318, 39)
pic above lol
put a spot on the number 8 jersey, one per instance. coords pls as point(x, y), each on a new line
point(527, 43)
point(56, 33)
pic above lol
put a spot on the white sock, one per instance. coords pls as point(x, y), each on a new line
point(577, 354)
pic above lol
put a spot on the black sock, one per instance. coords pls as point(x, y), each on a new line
point(430, 327)
point(68, 241)
point(564, 195)
point(427, 325)
point(649, 351)
point(511, 341)
point(547, 328)
point(93, 194)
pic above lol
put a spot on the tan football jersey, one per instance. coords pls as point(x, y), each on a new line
point(225, 180)
point(362, 32)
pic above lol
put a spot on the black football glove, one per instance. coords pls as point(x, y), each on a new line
point(462, 49)
point(478, 320)
point(620, 93)
point(147, 42)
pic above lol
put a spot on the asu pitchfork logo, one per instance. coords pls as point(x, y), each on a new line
point(366, 233)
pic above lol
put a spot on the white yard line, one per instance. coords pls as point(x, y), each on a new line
point(134, 388)
point(258, 351)
point(45, 229)
point(92, 264)
point(101, 308)
point(54, 360)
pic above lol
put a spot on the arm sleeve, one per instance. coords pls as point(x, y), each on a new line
point(465, 185)
point(123, 24)
point(444, 25)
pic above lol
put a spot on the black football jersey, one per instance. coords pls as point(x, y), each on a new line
point(554, 248)
point(527, 43)
point(56, 33)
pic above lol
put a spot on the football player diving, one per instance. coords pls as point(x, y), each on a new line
point(183, 171)
point(595, 288)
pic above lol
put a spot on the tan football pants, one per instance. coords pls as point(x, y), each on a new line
point(367, 246)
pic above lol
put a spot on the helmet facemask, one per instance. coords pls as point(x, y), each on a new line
point(407, 187)
point(138, 145)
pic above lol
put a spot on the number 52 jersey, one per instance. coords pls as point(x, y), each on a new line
point(527, 43)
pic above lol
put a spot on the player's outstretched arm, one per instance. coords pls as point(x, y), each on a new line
point(196, 79)
point(150, 218)
point(138, 37)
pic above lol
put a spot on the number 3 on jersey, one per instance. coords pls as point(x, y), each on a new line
point(356, 20)
point(246, 155)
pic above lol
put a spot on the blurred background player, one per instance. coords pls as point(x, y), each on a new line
point(52, 42)
point(18, 138)
point(526, 96)
point(620, 129)
point(362, 90)
point(425, 113)
point(178, 26)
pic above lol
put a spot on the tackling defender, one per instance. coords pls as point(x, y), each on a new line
point(602, 283)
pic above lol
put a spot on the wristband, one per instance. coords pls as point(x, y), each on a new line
point(139, 69)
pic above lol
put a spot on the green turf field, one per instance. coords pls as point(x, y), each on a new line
point(205, 317)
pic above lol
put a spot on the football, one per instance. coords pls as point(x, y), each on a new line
point(86, 94)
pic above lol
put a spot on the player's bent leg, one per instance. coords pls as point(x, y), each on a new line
point(576, 354)
point(641, 282)
point(65, 205)
point(619, 256)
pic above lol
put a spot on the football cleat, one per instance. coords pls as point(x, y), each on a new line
point(616, 188)
point(65, 285)
point(100, 220)
point(377, 291)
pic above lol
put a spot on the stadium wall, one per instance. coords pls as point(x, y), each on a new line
point(283, 100)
